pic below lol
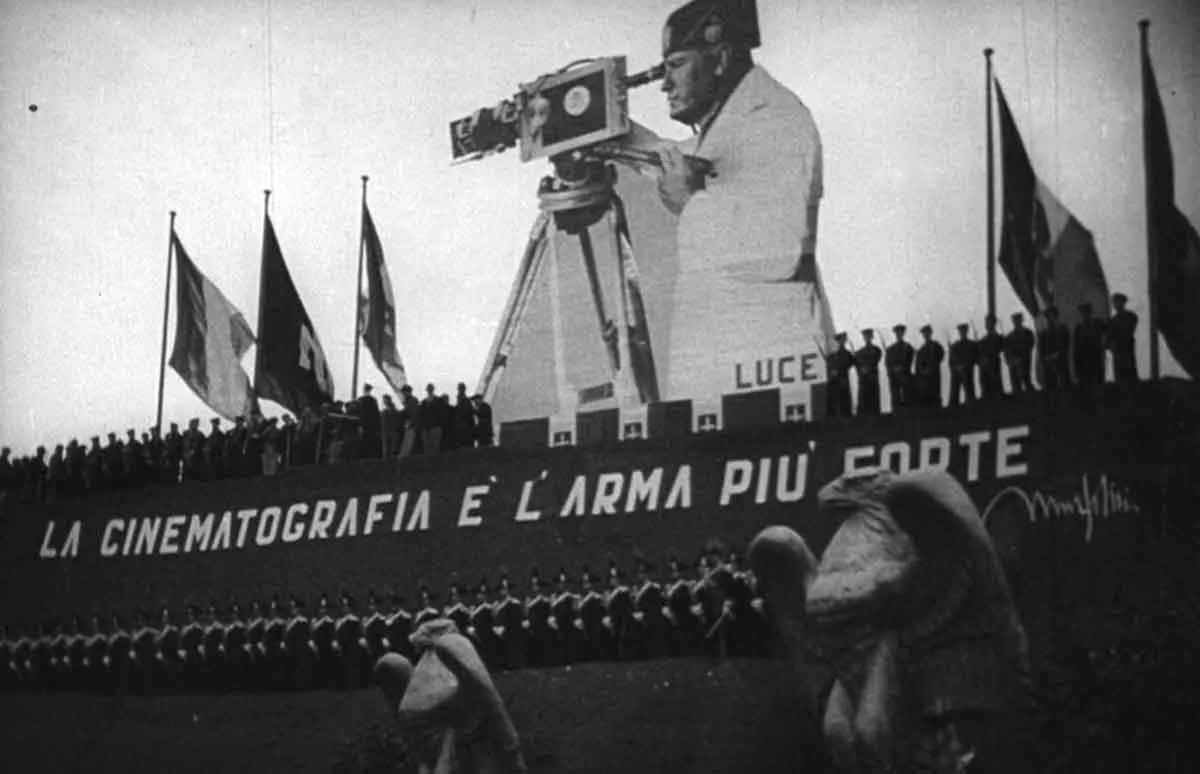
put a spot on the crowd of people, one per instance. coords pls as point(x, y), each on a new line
point(255, 445)
point(1060, 358)
point(709, 608)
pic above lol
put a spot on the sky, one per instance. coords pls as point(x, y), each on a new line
point(144, 107)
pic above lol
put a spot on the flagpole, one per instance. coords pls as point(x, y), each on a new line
point(991, 196)
point(1151, 256)
point(162, 359)
point(262, 280)
point(362, 241)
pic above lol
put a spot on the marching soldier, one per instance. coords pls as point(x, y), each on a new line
point(650, 613)
point(192, 644)
point(76, 656)
point(351, 646)
point(400, 627)
point(563, 612)
point(298, 648)
point(1121, 329)
point(989, 349)
point(510, 620)
point(60, 665)
point(324, 636)
point(256, 628)
point(866, 363)
point(963, 355)
point(482, 628)
point(274, 656)
point(620, 623)
point(429, 610)
point(1054, 346)
point(929, 370)
point(899, 362)
point(540, 635)
point(1018, 353)
point(145, 654)
point(1089, 348)
point(96, 659)
point(22, 661)
point(591, 619)
point(837, 373)
point(456, 611)
point(121, 656)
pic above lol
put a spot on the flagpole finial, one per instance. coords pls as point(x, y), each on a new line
point(987, 52)
point(1143, 23)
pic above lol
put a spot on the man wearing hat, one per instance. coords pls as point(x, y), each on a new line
point(1088, 354)
point(963, 355)
point(837, 372)
point(747, 231)
point(1054, 344)
point(866, 364)
point(410, 408)
point(1121, 328)
point(1018, 353)
point(368, 414)
point(988, 350)
point(929, 370)
point(899, 362)
point(485, 430)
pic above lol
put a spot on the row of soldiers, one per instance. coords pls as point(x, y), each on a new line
point(254, 446)
point(914, 375)
point(281, 647)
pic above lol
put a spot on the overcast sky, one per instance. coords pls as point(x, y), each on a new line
point(145, 106)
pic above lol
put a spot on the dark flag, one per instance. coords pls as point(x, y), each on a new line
point(211, 336)
point(1174, 244)
point(378, 324)
point(1046, 253)
point(290, 368)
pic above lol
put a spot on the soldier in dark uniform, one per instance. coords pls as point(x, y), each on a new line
point(191, 642)
point(929, 370)
point(563, 611)
point(274, 655)
point(455, 610)
point(682, 612)
point(482, 628)
point(539, 634)
point(1054, 347)
point(131, 460)
point(989, 350)
point(93, 468)
point(620, 622)
point(368, 414)
point(1121, 329)
point(112, 463)
point(485, 431)
point(324, 636)
point(212, 650)
point(464, 419)
point(299, 651)
point(709, 594)
point(22, 661)
point(60, 666)
point(214, 451)
point(390, 428)
point(899, 362)
point(154, 451)
point(351, 645)
point(256, 666)
point(235, 449)
point(239, 660)
point(963, 355)
point(375, 629)
point(649, 603)
point(96, 660)
point(1088, 352)
point(170, 653)
point(591, 619)
point(191, 453)
point(429, 611)
point(77, 676)
point(121, 657)
point(1018, 353)
point(400, 627)
point(510, 625)
point(173, 443)
point(837, 373)
point(145, 655)
point(76, 462)
point(866, 364)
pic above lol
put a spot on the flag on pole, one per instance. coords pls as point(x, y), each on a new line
point(290, 368)
point(211, 336)
point(377, 321)
point(1046, 253)
point(1174, 244)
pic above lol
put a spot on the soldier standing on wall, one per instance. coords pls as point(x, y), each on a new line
point(866, 363)
point(963, 355)
point(1121, 329)
point(929, 370)
point(1018, 352)
point(838, 365)
point(1088, 353)
point(1054, 345)
point(899, 362)
point(989, 350)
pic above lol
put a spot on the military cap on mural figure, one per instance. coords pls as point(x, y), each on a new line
point(910, 608)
